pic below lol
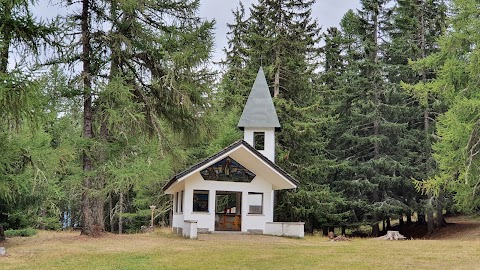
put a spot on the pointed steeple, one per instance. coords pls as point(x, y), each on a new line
point(259, 110)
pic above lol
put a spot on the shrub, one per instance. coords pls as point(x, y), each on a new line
point(21, 232)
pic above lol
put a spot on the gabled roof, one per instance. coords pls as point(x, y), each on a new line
point(259, 110)
point(225, 151)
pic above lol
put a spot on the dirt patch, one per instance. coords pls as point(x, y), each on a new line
point(459, 228)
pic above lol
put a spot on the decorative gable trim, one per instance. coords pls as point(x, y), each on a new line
point(225, 151)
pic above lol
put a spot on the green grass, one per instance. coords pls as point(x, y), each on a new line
point(161, 250)
point(21, 232)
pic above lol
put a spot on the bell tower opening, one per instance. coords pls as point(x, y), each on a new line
point(259, 140)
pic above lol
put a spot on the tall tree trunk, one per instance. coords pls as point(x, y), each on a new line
point(375, 229)
point(421, 218)
point(110, 211)
point(426, 120)
point(371, 74)
point(278, 61)
point(409, 218)
point(313, 222)
point(42, 215)
point(276, 84)
point(2, 233)
point(430, 223)
point(92, 201)
point(439, 206)
point(5, 36)
point(120, 214)
point(376, 219)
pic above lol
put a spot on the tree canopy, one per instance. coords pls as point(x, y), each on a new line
point(380, 115)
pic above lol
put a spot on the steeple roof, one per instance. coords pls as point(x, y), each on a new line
point(259, 110)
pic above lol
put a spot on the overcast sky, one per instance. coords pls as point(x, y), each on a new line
point(327, 12)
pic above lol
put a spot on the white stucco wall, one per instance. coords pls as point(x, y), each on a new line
point(292, 229)
point(265, 181)
point(207, 220)
point(178, 220)
point(269, 150)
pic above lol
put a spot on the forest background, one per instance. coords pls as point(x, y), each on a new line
point(380, 116)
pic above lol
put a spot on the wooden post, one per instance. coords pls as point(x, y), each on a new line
point(153, 210)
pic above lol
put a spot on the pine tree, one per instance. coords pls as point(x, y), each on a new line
point(145, 75)
point(413, 33)
point(457, 87)
point(372, 136)
point(18, 93)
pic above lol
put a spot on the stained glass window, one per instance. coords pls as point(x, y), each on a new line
point(227, 169)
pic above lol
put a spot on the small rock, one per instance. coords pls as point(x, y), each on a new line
point(2, 251)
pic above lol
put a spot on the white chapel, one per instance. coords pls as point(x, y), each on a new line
point(233, 190)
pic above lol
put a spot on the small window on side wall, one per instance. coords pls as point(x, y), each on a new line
point(181, 202)
point(200, 201)
point(255, 203)
point(176, 202)
point(259, 140)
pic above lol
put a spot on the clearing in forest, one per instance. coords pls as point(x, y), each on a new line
point(456, 246)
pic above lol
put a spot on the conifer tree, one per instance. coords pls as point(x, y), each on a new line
point(146, 74)
point(370, 139)
point(413, 33)
point(19, 94)
point(282, 37)
point(456, 85)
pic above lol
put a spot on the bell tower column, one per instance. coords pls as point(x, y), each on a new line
point(259, 119)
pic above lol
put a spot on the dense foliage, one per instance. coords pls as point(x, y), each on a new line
point(380, 117)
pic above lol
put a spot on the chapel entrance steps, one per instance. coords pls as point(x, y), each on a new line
point(227, 232)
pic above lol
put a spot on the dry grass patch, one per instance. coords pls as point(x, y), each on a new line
point(163, 250)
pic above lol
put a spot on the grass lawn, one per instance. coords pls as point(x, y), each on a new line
point(161, 250)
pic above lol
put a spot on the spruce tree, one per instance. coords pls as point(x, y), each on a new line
point(282, 37)
point(413, 33)
point(371, 138)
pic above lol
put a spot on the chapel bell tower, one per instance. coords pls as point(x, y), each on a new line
point(259, 119)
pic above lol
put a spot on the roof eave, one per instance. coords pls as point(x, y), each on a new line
point(225, 151)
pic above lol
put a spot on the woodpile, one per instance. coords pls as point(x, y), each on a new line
point(392, 235)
